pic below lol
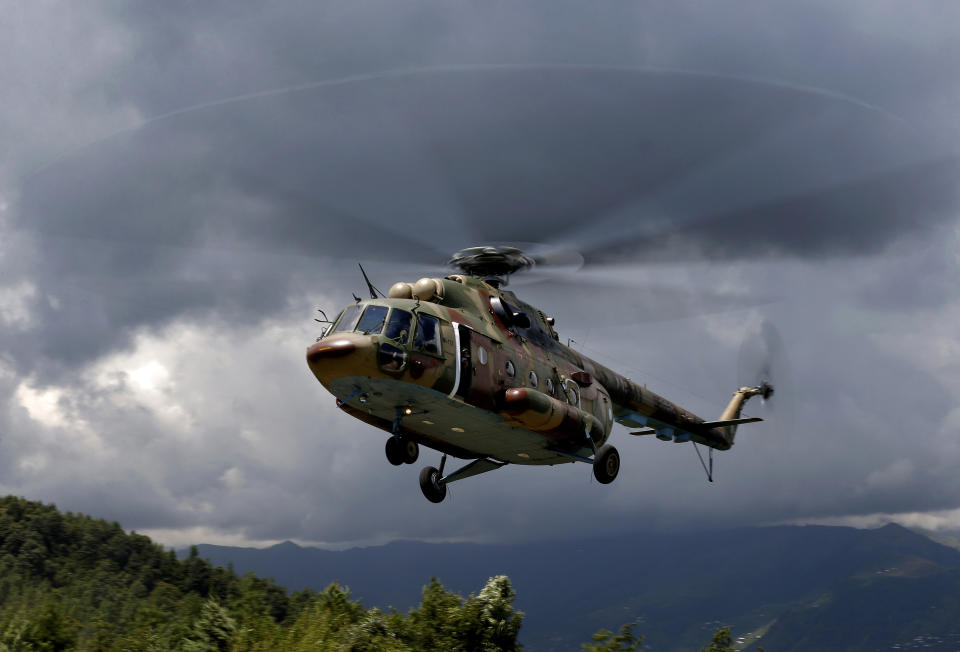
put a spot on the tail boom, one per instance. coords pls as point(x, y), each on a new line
point(637, 407)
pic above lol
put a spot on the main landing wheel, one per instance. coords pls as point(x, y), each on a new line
point(606, 464)
point(401, 450)
point(430, 485)
point(394, 450)
point(411, 450)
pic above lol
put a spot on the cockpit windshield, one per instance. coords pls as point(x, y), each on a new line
point(372, 321)
point(348, 320)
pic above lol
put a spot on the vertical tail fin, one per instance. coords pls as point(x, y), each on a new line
point(734, 407)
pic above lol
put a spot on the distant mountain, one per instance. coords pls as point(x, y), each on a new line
point(948, 538)
point(887, 611)
point(781, 581)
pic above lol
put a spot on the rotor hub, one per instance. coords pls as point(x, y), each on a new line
point(491, 264)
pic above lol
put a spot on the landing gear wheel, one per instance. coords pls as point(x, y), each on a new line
point(411, 450)
point(606, 464)
point(431, 486)
point(395, 451)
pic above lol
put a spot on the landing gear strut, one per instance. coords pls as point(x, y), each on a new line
point(433, 483)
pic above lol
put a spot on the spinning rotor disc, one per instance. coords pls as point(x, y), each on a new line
point(611, 165)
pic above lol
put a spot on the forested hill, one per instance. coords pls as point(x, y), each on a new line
point(68, 581)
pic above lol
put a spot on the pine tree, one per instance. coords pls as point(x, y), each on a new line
point(721, 642)
point(213, 631)
point(623, 641)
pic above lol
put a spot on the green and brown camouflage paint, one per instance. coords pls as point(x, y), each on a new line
point(503, 386)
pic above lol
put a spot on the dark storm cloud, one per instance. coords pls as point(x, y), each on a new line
point(619, 163)
point(628, 131)
point(407, 167)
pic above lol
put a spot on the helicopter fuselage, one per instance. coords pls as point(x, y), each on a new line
point(466, 368)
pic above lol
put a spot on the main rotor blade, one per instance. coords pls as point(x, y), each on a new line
point(635, 302)
point(853, 218)
point(415, 164)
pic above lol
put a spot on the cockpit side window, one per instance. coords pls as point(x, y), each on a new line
point(372, 321)
point(399, 326)
point(348, 319)
point(428, 334)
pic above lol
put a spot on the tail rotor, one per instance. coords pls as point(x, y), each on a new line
point(761, 360)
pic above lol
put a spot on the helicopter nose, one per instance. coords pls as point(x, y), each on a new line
point(327, 349)
point(336, 357)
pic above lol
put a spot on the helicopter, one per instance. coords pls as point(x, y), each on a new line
point(463, 366)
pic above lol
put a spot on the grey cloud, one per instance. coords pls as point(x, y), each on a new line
point(313, 473)
point(917, 275)
point(494, 155)
point(622, 165)
point(813, 132)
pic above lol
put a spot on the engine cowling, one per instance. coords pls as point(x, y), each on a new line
point(542, 413)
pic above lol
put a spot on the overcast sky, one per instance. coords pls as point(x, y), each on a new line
point(183, 184)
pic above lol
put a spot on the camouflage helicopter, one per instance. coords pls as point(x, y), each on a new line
point(461, 365)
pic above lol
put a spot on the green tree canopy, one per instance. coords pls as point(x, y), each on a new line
point(623, 641)
point(721, 642)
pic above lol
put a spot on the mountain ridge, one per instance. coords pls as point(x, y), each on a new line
point(678, 585)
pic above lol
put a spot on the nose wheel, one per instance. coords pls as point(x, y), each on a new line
point(401, 450)
point(431, 486)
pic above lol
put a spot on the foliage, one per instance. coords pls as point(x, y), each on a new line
point(722, 641)
point(213, 631)
point(482, 622)
point(623, 641)
point(70, 582)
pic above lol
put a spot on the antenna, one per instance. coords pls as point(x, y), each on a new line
point(370, 286)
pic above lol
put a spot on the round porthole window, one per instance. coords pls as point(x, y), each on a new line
point(550, 389)
point(533, 379)
point(481, 355)
point(573, 393)
point(511, 370)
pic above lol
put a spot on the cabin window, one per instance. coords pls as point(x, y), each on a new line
point(372, 321)
point(511, 370)
point(482, 355)
point(533, 379)
point(550, 389)
point(348, 319)
point(428, 334)
point(399, 326)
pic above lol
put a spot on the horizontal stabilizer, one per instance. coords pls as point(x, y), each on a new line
point(645, 431)
point(729, 422)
